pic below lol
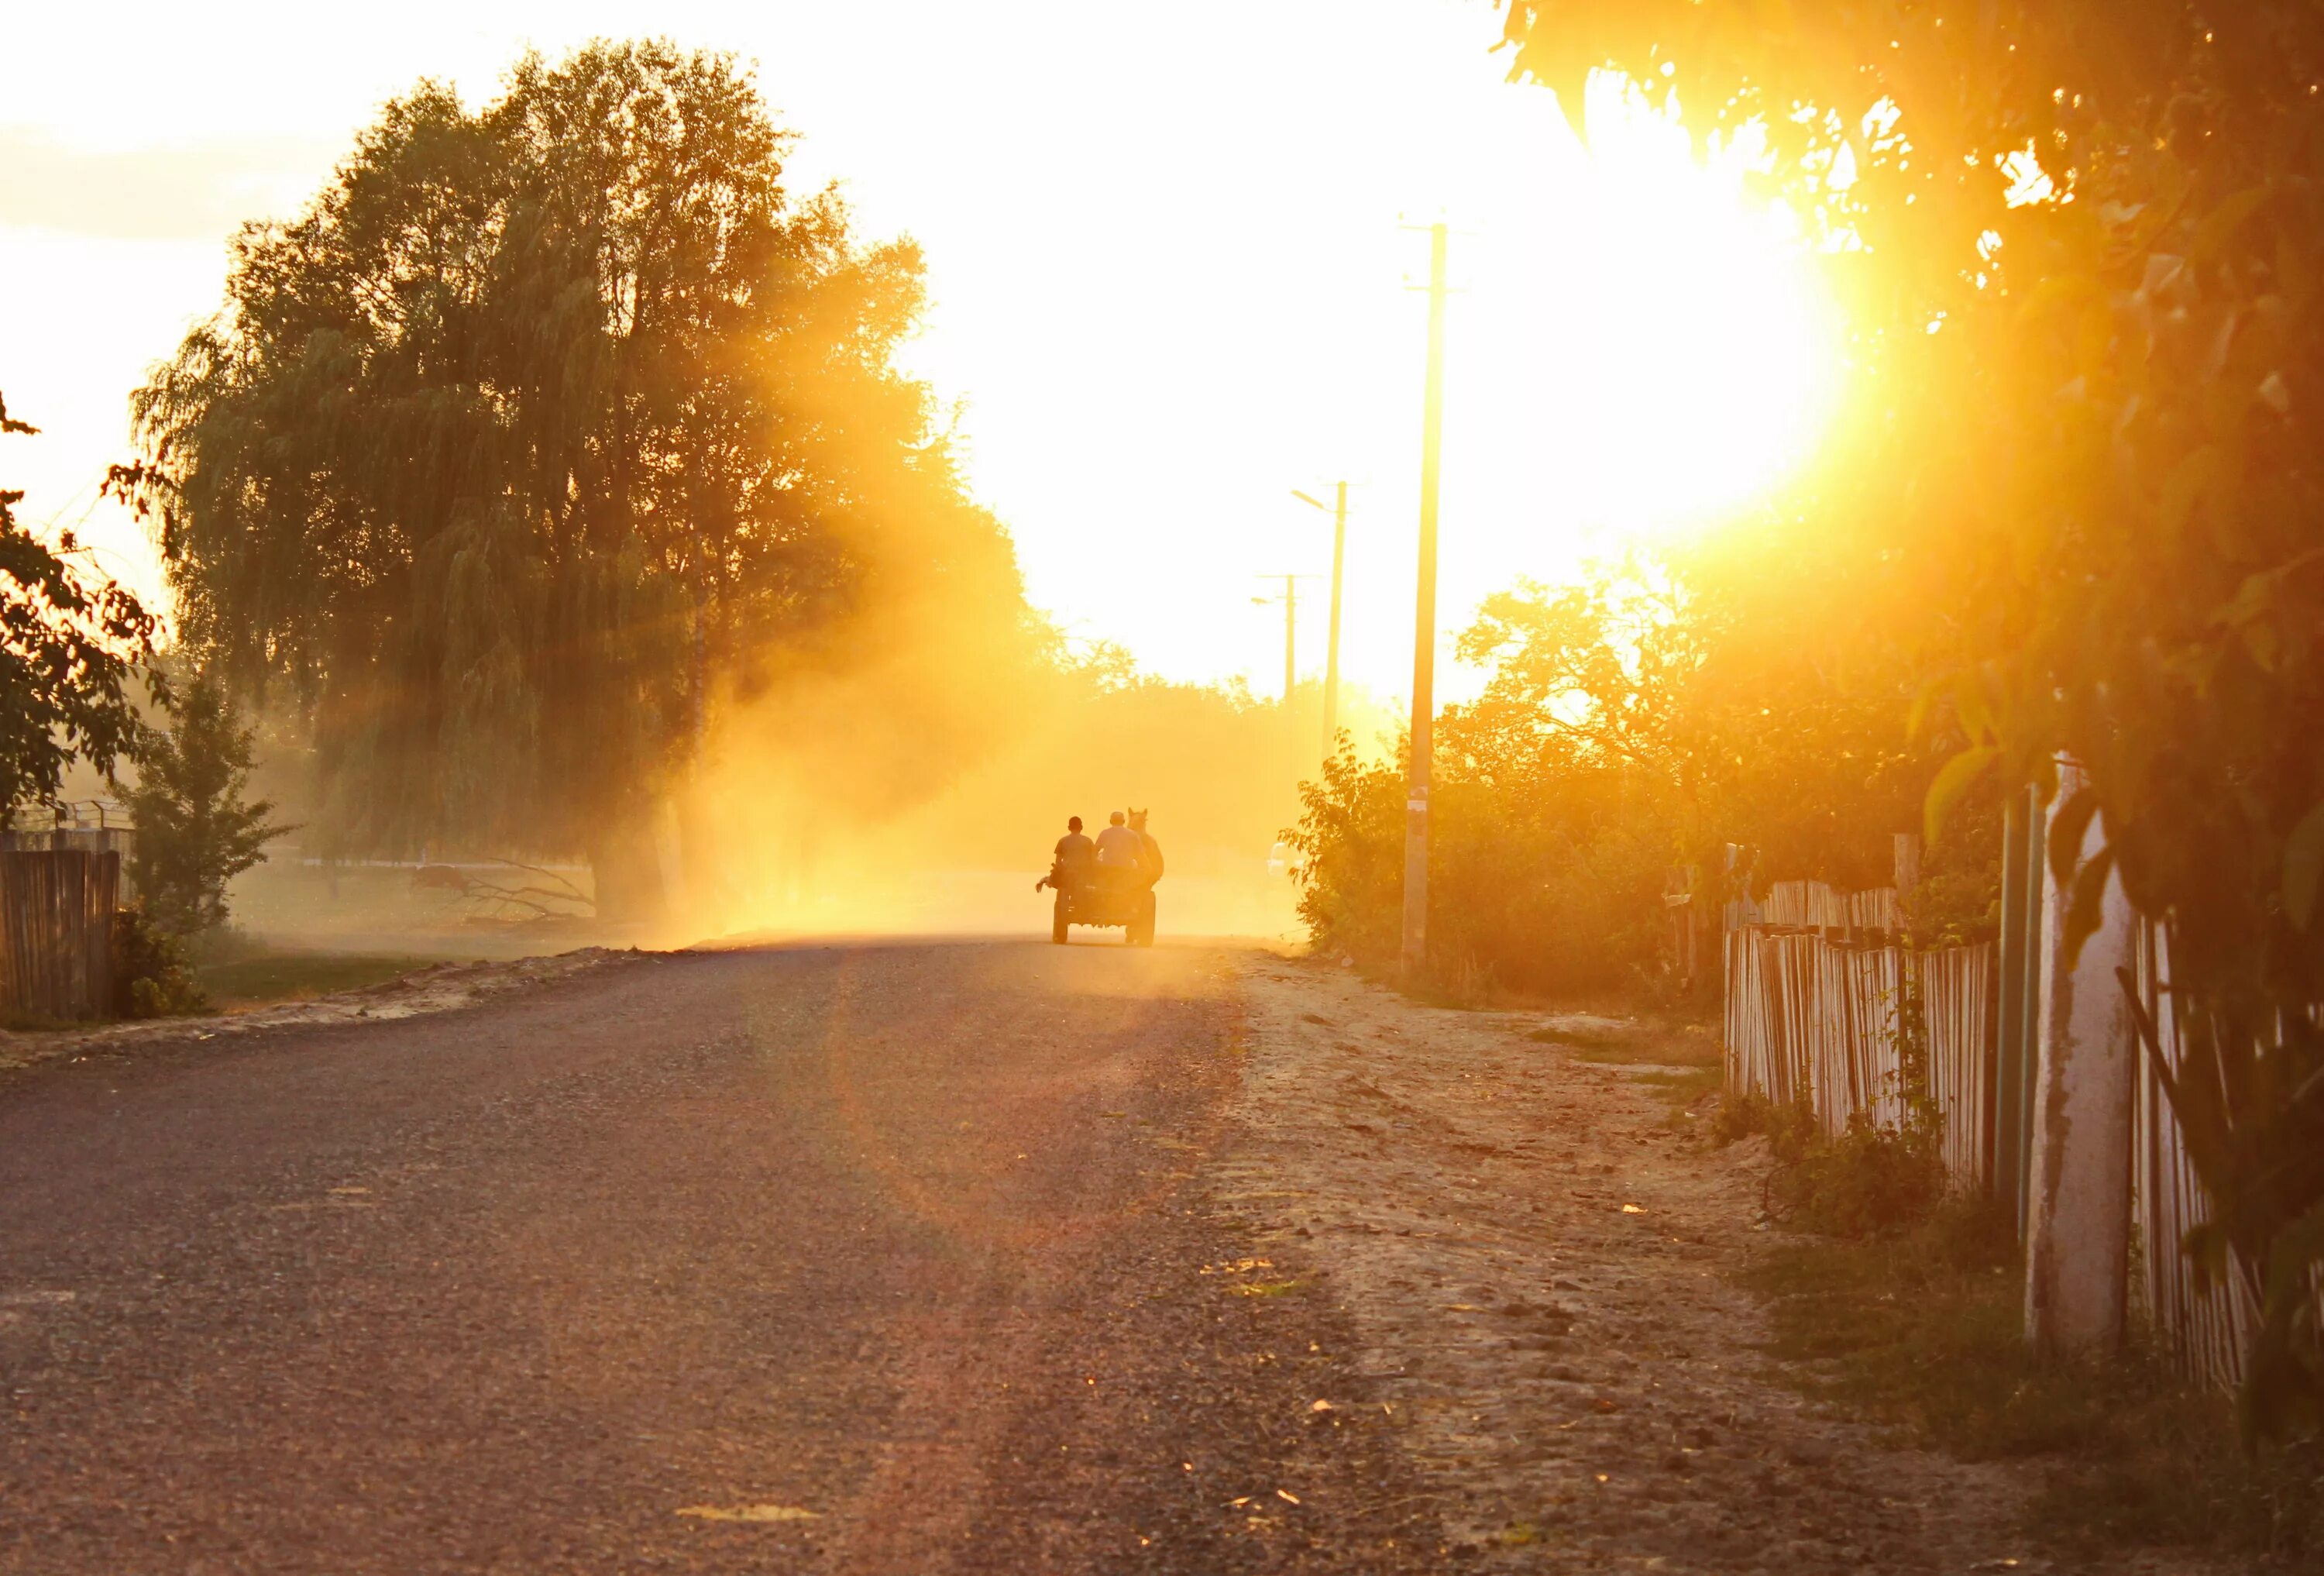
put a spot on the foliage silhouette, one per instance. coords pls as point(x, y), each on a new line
point(196, 828)
point(70, 644)
point(545, 431)
point(2078, 242)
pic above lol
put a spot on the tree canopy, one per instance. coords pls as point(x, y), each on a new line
point(2078, 243)
point(73, 643)
point(544, 429)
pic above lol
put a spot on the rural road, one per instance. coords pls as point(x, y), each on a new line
point(879, 1258)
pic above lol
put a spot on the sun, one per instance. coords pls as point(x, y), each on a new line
point(1680, 357)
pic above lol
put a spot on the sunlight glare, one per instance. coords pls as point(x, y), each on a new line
point(1691, 360)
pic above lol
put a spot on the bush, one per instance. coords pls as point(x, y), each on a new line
point(1633, 726)
point(1533, 886)
point(1790, 1129)
point(196, 829)
point(150, 976)
point(1871, 1181)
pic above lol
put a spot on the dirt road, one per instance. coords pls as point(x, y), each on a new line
point(991, 1257)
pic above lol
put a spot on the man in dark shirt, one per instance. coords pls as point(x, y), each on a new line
point(1074, 855)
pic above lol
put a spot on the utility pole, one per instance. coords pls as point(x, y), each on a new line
point(1423, 640)
point(1290, 639)
point(1338, 574)
point(1290, 631)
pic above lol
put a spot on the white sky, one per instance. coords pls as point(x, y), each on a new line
point(1163, 249)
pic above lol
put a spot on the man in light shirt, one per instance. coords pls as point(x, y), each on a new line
point(1118, 847)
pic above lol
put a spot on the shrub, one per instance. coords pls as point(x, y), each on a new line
point(150, 977)
point(1791, 1130)
point(1872, 1181)
point(196, 828)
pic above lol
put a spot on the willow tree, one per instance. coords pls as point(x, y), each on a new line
point(2084, 240)
point(544, 426)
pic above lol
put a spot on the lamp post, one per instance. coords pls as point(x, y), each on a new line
point(1338, 510)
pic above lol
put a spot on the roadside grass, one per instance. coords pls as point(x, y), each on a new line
point(1646, 1041)
point(1923, 1329)
point(1683, 1089)
point(240, 984)
point(36, 1023)
point(1678, 1060)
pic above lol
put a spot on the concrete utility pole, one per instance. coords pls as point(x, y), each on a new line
point(1423, 640)
point(2077, 1230)
point(1339, 510)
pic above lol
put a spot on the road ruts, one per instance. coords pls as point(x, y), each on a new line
point(912, 1239)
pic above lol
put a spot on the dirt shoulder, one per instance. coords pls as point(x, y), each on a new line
point(1539, 1262)
point(435, 988)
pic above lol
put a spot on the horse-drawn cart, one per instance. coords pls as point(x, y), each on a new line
point(1103, 895)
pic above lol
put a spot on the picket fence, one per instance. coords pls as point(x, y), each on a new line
point(1814, 1021)
point(56, 930)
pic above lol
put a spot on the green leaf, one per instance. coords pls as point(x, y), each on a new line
point(1951, 780)
point(1925, 704)
point(2220, 225)
point(2303, 868)
point(2188, 479)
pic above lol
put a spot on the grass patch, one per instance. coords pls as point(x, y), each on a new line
point(1646, 1043)
point(1923, 1330)
point(1684, 1087)
point(267, 979)
point(36, 1023)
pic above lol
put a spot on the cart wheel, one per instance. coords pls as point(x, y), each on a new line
point(1058, 922)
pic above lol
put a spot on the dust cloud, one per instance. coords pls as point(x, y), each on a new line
point(826, 809)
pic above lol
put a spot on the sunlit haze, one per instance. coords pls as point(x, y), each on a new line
point(1168, 262)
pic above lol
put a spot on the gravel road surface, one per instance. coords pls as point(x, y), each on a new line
point(914, 1258)
point(873, 1259)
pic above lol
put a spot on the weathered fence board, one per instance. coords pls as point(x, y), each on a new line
point(56, 929)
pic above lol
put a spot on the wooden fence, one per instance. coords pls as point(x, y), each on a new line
point(1815, 1021)
point(79, 839)
point(56, 932)
point(2206, 1328)
point(1812, 988)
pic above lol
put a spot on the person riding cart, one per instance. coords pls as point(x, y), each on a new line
point(1106, 882)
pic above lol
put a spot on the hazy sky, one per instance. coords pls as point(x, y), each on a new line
point(1163, 244)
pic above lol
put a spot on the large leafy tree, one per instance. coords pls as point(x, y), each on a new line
point(71, 644)
point(2079, 245)
point(544, 429)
